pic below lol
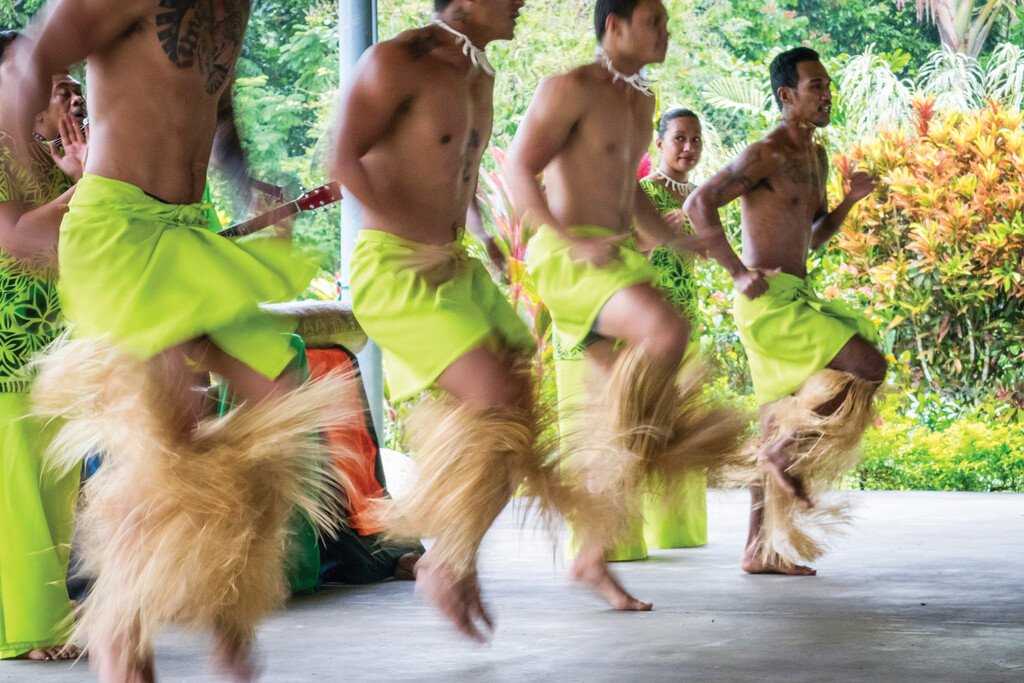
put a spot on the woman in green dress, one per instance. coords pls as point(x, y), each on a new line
point(678, 520)
point(36, 505)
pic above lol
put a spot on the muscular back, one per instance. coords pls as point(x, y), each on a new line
point(591, 179)
point(154, 91)
point(417, 120)
point(780, 206)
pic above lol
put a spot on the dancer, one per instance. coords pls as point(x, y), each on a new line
point(414, 125)
point(814, 363)
point(646, 423)
point(36, 504)
point(186, 520)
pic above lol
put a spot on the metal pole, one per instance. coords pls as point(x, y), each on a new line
point(357, 30)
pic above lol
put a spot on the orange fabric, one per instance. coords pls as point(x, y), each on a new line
point(358, 439)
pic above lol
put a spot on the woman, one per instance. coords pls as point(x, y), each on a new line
point(679, 518)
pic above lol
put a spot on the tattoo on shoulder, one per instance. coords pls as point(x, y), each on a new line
point(203, 34)
point(740, 183)
point(421, 45)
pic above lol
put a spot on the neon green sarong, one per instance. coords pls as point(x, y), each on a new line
point(423, 324)
point(789, 334)
point(575, 292)
point(147, 276)
point(37, 510)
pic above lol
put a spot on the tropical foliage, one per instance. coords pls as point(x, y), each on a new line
point(936, 255)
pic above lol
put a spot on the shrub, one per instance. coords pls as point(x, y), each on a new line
point(975, 453)
point(936, 253)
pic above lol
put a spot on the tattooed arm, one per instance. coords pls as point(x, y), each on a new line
point(65, 33)
point(827, 223)
point(754, 165)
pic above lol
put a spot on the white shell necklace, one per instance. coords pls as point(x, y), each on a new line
point(637, 81)
point(477, 56)
point(682, 189)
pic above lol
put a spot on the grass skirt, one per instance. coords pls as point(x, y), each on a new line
point(824, 450)
point(648, 429)
point(186, 530)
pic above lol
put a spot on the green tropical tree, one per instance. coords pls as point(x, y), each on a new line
point(965, 25)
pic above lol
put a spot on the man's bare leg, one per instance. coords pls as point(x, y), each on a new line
point(857, 357)
point(232, 655)
point(480, 379)
point(640, 317)
point(112, 666)
point(752, 562)
point(182, 372)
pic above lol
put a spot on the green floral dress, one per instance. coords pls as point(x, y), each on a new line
point(29, 307)
point(36, 504)
point(675, 273)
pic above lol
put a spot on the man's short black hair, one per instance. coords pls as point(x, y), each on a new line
point(6, 38)
point(784, 72)
point(603, 8)
point(441, 5)
point(671, 115)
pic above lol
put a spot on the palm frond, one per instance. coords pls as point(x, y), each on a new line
point(872, 95)
point(956, 80)
point(1004, 80)
point(736, 93)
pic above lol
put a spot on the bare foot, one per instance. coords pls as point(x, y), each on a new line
point(407, 567)
point(458, 599)
point(112, 666)
point(775, 459)
point(233, 659)
point(591, 569)
point(752, 564)
point(57, 653)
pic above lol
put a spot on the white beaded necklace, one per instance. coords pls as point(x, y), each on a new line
point(637, 81)
point(681, 188)
point(477, 56)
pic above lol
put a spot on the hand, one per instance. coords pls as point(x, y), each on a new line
point(861, 185)
point(75, 148)
point(677, 219)
point(597, 251)
point(751, 283)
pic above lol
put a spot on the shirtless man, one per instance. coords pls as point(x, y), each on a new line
point(141, 273)
point(781, 182)
point(412, 129)
point(586, 131)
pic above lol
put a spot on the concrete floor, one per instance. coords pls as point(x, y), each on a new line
point(927, 587)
